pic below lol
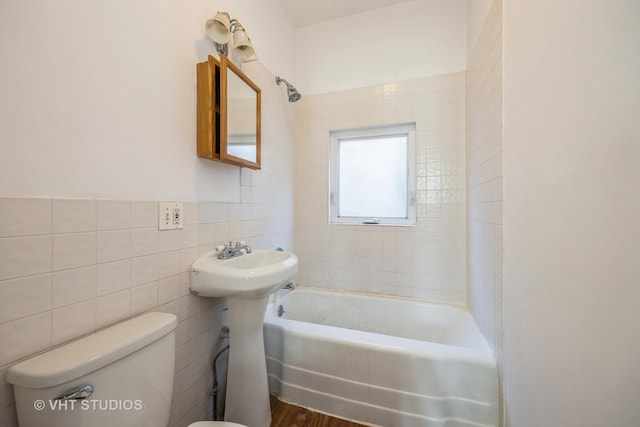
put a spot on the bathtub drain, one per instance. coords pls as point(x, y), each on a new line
point(280, 310)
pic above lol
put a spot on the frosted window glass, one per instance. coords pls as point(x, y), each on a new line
point(373, 177)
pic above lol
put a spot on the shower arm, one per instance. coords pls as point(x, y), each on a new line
point(280, 79)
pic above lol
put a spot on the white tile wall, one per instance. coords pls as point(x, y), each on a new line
point(485, 181)
point(71, 266)
point(24, 297)
point(74, 215)
point(24, 256)
point(73, 250)
point(72, 321)
point(113, 214)
point(71, 286)
point(16, 223)
point(426, 261)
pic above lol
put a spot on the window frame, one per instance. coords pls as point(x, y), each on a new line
point(403, 129)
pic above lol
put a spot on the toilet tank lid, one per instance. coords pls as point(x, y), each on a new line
point(78, 358)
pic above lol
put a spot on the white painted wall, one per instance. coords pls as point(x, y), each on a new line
point(572, 212)
point(406, 41)
point(98, 98)
point(484, 183)
point(477, 11)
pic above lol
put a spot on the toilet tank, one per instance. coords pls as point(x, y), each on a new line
point(128, 366)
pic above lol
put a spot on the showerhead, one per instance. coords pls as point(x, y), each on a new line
point(292, 92)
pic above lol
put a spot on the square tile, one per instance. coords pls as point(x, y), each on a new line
point(169, 240)
point(73, 321)
point(188, 306)
point(24, 337)
point(144, 214)
point(144, 269)
point(168, 289)
point(25, 216)
point(191, 213)
point(114, 245)
point(206, 233)
point(72, 286)
point(24, 256)
point(74, 215)
point(24, 297)
point(207, 212)
point(169, 264)
point(73, 250)
point(190, 236)
point(144, 241)
point(187, 258)
point(144, 297)
point(113, 214)
point(113, 277)
point(112, 308)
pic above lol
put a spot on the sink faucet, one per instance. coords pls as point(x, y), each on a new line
point(230, 250)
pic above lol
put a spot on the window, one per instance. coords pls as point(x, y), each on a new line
point(373, 176)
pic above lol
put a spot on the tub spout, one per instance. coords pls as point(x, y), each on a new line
point(288, 286)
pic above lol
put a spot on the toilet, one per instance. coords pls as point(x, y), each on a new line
point(121, 376)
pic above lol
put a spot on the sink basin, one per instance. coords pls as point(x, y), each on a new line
point(256, 274)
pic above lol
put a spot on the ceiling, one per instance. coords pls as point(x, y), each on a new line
point(308, 12)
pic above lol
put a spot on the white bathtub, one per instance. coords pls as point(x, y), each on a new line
point(391, 362)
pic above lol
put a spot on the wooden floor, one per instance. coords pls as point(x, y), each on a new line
point(287, 415)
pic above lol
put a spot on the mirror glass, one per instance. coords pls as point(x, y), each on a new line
point(239, 117)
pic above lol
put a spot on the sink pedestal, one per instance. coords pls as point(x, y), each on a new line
point(246, 281)
point(247, 399)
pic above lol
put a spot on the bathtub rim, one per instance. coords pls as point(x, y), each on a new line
point(309, 288)
point(480, 353)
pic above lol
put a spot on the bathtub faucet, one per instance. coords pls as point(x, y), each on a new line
point(230, 250)
point(288, 286)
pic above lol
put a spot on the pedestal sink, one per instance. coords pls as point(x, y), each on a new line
point(246, 281)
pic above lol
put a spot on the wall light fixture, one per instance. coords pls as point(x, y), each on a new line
point(220, 30)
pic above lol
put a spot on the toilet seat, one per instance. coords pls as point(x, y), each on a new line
point(215, 424)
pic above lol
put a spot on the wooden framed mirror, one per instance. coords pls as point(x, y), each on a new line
point(228, 114)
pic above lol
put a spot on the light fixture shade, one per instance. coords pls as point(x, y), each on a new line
point(219, 28)
point(242, 47)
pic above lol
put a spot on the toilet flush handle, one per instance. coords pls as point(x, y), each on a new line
point(77, 393)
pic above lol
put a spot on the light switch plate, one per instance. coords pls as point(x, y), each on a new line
point(170, 216)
